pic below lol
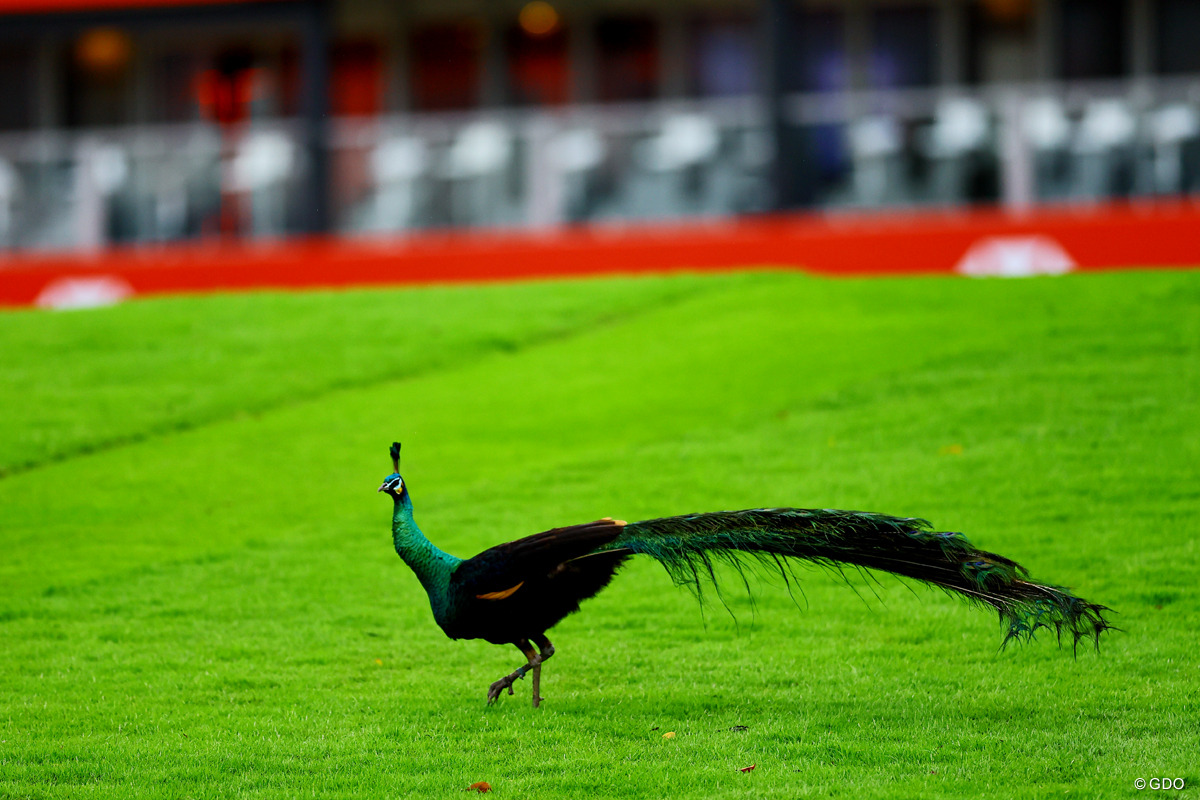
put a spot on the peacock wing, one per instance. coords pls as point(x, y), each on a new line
point(499, 571)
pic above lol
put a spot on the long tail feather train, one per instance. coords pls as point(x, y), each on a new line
point(689, 546)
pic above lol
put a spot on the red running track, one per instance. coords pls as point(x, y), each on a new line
point(967, 242)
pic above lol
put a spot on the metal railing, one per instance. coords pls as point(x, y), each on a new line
point(1012, 145)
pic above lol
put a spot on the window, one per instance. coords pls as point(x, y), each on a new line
point(16, 86)
point(356, 79)
point(821, 64)
point(98, 78)
point(1179, 36)
point(446, 64)
point(627, 55)
point(902, 47)
point(537, 66)
point(174, 77)
point(1092, 38)
point(1001, 46)
point(724, 60)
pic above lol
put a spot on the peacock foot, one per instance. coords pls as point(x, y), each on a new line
point(497, 688)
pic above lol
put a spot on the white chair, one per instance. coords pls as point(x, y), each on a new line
point(1045, 125)
point(577, 151)
point(1105, 133)
point(875, 142)
point(961, 127)
point(685, 140)
point(1171, 127)
point(1047, 129)
point(260, 168)
point(672, 164)
point(397, 166)
point(475, 163)
point(10, 190)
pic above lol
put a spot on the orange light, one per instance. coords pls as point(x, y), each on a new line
point(1009, 11)
point(538, 18)
point(104, 51)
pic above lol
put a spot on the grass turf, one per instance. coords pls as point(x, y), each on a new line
point(198, 597)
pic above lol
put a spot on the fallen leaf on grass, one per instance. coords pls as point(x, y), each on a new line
point(669, 735)
point(747, 769)
point(481, 787)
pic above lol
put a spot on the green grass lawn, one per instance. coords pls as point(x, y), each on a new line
point(198, 596)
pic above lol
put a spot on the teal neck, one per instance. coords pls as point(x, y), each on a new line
point(431, 565)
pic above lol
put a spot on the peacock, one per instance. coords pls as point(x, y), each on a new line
point(513, 593)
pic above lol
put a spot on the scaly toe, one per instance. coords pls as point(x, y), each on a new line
point(497, 688)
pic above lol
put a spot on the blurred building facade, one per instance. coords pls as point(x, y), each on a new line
point(149, 120)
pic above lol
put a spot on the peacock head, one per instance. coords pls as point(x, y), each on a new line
point(393, 484)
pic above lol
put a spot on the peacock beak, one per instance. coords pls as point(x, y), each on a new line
point(381, 488)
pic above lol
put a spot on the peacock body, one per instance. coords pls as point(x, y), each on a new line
point(513, 593)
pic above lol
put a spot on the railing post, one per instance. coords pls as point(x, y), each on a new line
point(314, 128)
point(543, 175)
point(91, 218)
point(790, 179)
point(1017, 190)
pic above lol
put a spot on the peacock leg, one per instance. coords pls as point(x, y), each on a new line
point(508, 680)
point(537, 684)
point(544, 645)
point(547, 650)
